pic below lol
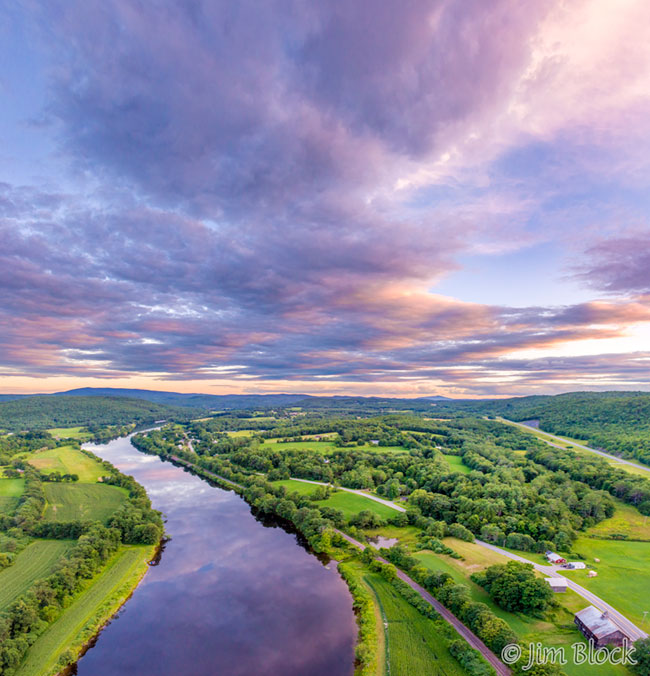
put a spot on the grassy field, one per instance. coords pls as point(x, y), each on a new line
point(68, 460)
point(90, 609)
point(80, 433)
point(69, 502)
point(328, 447)
point(36, 561)
point(555, 630)
point(627, 520)
point(456, 464)
point(415, 646)
point(10, 491)
point(348, 503)
point(623, 574)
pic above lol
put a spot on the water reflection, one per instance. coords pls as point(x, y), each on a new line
point(233, 594)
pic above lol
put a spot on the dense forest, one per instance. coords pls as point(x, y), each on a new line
point(618, 422)
point(507, 496)
point(35, 413)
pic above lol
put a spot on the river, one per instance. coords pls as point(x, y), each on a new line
point(232, 595)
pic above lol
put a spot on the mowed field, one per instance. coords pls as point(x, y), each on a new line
point(456, 463)
point(349, 503)
point(623, 574)
point(79, 433)
point(328, 447)
point(70, 502)
point(555, 630)
point(10, 491)
point(35, 562)
point(414, 646)
point(627, 520)
point(68, 460)
point(100, 600)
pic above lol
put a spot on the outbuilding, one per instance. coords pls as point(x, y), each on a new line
point(576, 565)
point(596, 626)
point(557, 584)
point(554, 558)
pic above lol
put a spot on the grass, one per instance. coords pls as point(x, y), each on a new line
point(68, 460)
point(415, 644)
point(10, 491)
point(88, 612)
point(456, 463)
point(328, 447)
point(627, 520)
point(70, 502)
point(35, 562)
point(80, 433)
point(623, 574)
point(556, 629)
point(349, 503)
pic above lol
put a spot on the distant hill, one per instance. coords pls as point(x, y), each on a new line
point(42, 412)
point(209, 401)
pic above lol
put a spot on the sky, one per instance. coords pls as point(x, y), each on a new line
point(405, 198)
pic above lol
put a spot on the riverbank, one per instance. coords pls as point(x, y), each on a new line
point(79, 626)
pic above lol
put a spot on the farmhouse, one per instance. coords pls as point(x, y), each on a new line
point(576, 565)
point(554, 558)
point(557, 584)
point(597, 627)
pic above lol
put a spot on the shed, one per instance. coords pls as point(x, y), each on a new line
point(576, 565)
point(557, 584)
point(554, 558)
point(596, 626)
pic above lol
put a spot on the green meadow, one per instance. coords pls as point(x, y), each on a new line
point(555, 629)
point(35, 562)
point(79, 433)
point(96, 604)
point(10, 492)
point(623, 571)
point(69, 502)
point(413, 644)
point(349, 503)
point(67, 460)
point(456, 463)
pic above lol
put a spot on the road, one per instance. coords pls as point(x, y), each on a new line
point(554, 571)
point(609, 456)
point(447, 615)
point(631, 629)
point(388, 503)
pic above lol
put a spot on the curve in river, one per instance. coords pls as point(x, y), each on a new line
point(232, 595)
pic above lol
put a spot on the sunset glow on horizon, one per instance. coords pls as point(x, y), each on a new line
point(392, 199)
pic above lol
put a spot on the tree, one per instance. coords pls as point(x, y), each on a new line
point(515, 587)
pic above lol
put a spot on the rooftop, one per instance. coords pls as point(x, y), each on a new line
point(598, 623)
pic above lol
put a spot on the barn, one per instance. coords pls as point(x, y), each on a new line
point(557, 584)
point(554, 558)
point(596, 626)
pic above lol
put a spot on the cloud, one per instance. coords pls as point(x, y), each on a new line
point(272, 191)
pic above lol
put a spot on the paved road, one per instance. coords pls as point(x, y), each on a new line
point(448, 616)
point(573, 443)
point(554, 571)
point(631, 629)
point(388, 503)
